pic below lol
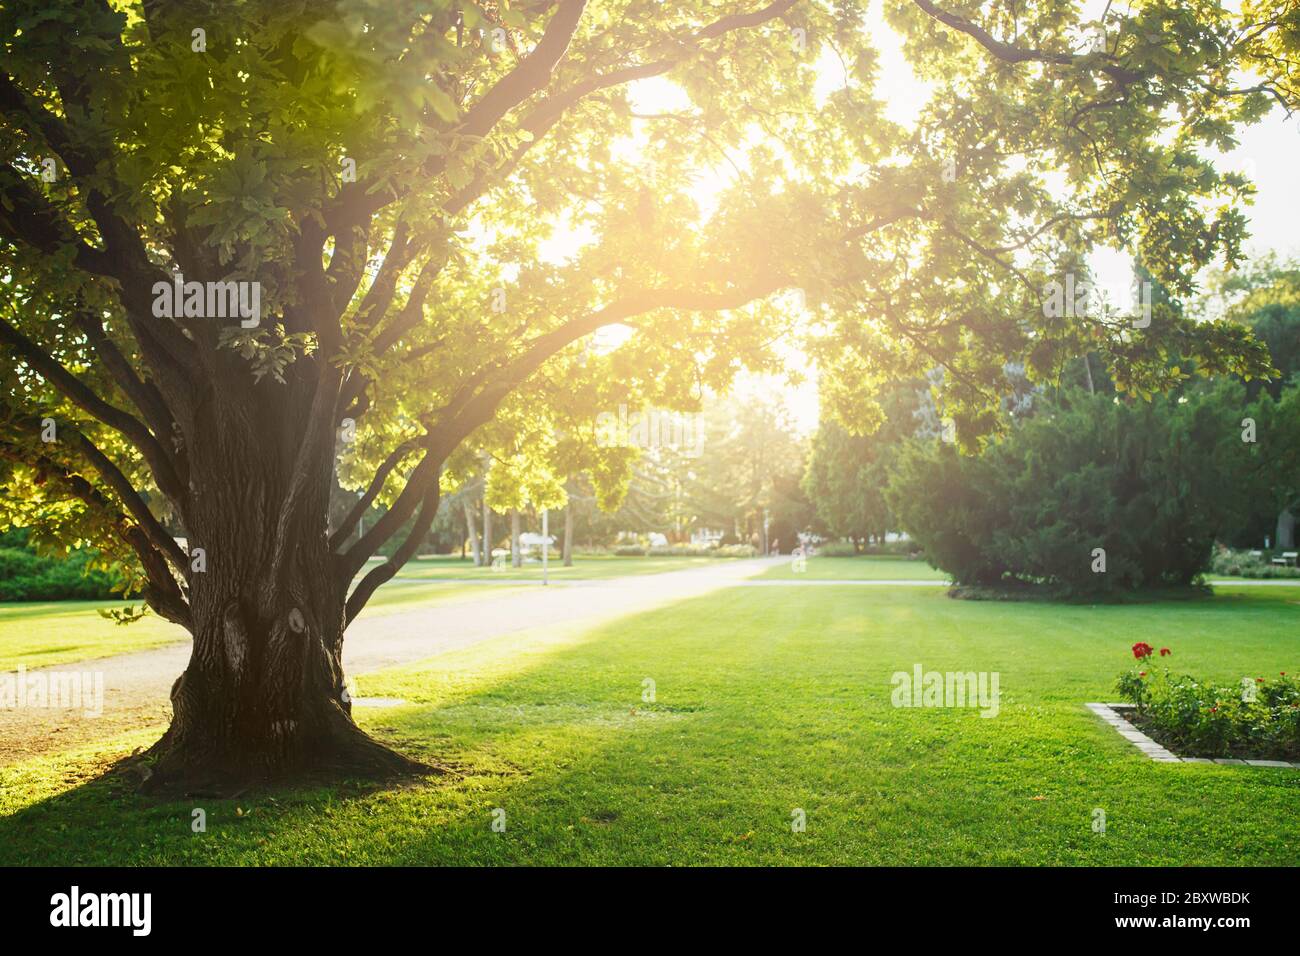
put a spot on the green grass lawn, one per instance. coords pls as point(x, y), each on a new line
point(38, 634)
point(767, 700)
point(863, 568)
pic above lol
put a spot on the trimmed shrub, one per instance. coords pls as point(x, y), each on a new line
point(1147, 483)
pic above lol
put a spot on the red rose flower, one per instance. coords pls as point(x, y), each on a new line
point(1142, 649)
point(1165, 652)
point(1142, 673)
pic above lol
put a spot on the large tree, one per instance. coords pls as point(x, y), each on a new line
point(441, 201)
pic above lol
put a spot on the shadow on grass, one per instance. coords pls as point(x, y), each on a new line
point(102, 819)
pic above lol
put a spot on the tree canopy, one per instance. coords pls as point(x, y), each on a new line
point(435, 205)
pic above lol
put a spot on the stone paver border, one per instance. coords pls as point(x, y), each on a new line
point(1111, 714)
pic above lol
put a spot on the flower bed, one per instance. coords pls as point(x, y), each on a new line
point(1257, 719)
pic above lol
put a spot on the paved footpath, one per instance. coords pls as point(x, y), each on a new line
point(137, 685)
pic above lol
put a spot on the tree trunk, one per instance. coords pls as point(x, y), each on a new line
point(473, 532)
point(263, 698)
point(1285, 530)
point(568, 534)
point(487, 534)
point(516, 556)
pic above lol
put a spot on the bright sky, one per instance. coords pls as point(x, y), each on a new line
point(1267, 154)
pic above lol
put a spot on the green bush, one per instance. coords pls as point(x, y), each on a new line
point(1256, 720)
point(735, 551)
point(950, 506)
point(1148, 483)
point(682, 551)
point(630, 551)
point(26, 576)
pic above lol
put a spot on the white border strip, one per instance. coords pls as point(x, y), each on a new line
point(1109, 713)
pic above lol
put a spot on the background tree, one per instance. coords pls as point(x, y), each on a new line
point(1271, 492)
point(846, 474)
point(389, 172)
point(748, 469)
point(1265, 297)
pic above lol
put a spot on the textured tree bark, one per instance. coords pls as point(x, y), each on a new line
point(1286, 529)
point(263, 698)
point(516, 554)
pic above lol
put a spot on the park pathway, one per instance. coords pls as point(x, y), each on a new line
point(136, 685)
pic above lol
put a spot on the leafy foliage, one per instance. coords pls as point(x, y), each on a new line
point(81, 575)
point(1150, 484)
point(846, 473)
point(445, 203)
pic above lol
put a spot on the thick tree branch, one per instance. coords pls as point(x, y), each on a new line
point(316, 444)
point(542, 118)
point(384, 572)
point(359, 199)
point(417, 488)
point(531, 75)
point(467, 412)
point(85, 398)
point(26, 218)
point(406, 319)
point(375, 303)
point(1010, 53)
point(350, 520)
point(122, 487)
point(163, 594)
point(143, 394)
point(315, 309)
